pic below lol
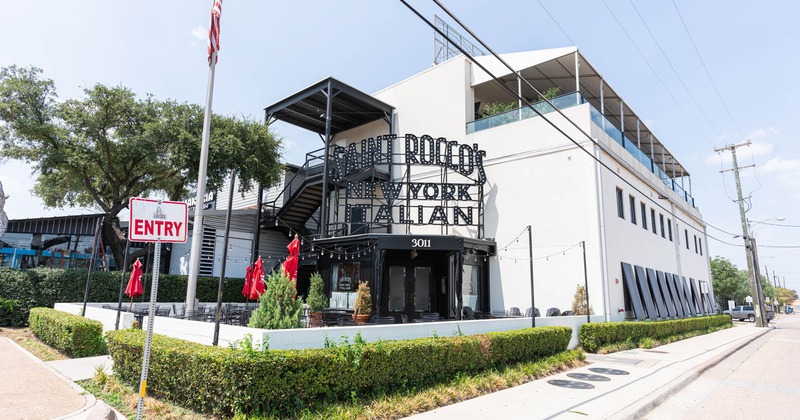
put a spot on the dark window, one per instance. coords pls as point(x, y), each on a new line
point(644, 216)
point(669, 227)
point(620, 206)
point(661, 219)
point(633, 209)
point(653, 220)
point(695, 245)
point(700, 242)
point(686, 233)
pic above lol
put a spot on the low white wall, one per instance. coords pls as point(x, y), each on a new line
point(304, 338)
point(95, 311)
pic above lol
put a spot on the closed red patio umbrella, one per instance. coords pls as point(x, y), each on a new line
point(257, 289)
point(134, 288)
point(248, 282)
point(290, 265)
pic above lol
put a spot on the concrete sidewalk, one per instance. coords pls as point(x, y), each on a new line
point(32, 389)
point(648, 377)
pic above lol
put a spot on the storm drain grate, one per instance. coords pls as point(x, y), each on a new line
point(570, 384)
point(608, 371)
point(589, 377)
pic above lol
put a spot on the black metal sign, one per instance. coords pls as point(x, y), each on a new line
point(441, 184)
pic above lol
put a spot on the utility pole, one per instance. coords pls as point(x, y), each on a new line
point(745, 232)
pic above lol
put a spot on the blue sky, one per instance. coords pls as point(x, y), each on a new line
point(271, 49)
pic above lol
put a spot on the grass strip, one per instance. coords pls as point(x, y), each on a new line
point(649, 343)
point(407, 402)
point(25, 338)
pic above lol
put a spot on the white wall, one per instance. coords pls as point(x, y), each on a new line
point(306, 338)
point(239, 249)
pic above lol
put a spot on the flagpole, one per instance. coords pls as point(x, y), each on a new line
point(197, 229)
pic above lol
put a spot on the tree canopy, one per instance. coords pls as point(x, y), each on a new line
point(108, 146)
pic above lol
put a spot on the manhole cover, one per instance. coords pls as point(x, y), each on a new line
point(609, 371)
point(589, 377)
point(570, 384)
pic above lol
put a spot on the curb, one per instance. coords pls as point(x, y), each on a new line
point(685, 379)
point(91, 401)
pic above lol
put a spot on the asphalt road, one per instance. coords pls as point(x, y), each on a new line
point(759, 380)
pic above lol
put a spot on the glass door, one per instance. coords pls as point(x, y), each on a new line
point(409, 290)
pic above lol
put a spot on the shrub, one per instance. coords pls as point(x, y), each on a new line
point(363, 303)
point(71, 334)
point(224, 381)
point(278, 307)
point(579, 301)
point(43, 287)
point(316, 299)
point(596, 335)
point(494, 108)
point(11, 313)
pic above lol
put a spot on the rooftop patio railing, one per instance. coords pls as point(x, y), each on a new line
point(567, 101)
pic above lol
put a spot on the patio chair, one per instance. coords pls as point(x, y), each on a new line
point(567, 313)
point(404, 318)
point(430, 315)
point(499, 313)
point(162, 311)
point(468, 313)
point(553, 312)
point(383, 320)
point(532, 311)
point(107, 307)
point(176, 313)
point(514, 311)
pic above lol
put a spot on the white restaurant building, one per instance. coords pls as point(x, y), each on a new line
point(428, 199)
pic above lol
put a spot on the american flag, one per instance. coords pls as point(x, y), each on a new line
point(213, 31)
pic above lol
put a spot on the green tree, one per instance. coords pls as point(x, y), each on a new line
point(579, 301)
point(109, 145)
point(316, 299)
point(729, 282)
point(277, 308)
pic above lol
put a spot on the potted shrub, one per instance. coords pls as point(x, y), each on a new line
point(316, 299)
point(363, 304)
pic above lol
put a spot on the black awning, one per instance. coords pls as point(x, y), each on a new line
point(63, 225)
point(351, 108)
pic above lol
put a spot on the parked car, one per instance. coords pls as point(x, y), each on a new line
point(748, 312)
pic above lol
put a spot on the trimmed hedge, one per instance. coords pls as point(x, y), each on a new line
point(43, 287)
point(71, 334)
point(224, 381)
point(595, 335)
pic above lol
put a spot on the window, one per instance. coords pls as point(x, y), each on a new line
point(472, 291)
point(695, 245)
point(669, 227)
point(344, 281)
point(661, 219)
point(644, 216)
point(653, 220)
point(620, 206)
point(633, 209)
point(686, 233)
point(700, 242)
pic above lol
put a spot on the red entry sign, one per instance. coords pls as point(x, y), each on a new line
point(154, 220)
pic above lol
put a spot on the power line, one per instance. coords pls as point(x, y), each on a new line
point(697, 51)
point(513, 93)
point(673, 68)
point(656, 74)
point(546, 119)
point(556, 22)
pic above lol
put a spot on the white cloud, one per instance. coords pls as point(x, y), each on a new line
point(200, 32)
point(762, 133)
point(779, 166)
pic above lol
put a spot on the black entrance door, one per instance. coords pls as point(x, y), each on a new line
point(410, 289)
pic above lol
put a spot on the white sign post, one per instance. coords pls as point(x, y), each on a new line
point(748, 299)
point(154, 221)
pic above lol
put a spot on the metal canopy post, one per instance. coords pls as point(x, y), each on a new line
point(122, 281)
point(577, 78)
point(221, 286)
point(324, 209)
point(91, 265)
point(530, 256)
